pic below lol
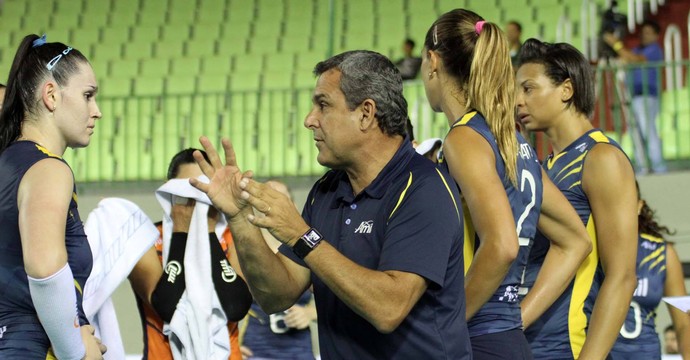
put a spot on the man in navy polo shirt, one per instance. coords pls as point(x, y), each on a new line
point(380, 236)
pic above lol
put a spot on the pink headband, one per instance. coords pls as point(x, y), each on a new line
point(478, 26)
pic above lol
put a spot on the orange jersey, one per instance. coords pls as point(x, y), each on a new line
point(156, 345)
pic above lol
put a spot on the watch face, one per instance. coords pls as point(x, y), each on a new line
point(312, 238)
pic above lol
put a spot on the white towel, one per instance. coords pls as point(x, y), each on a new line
point(119, 234)
point(198, 329)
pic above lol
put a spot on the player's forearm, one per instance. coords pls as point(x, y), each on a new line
point(610, 309)
point(381, 298)
point(489, 268)
point(558, 270)
point(266, 275)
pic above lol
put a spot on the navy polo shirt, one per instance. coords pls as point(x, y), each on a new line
point(408, 219)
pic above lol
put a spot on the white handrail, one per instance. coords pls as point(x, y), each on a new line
point(631, 15)
point(584, 19)
point(639, 11)
point(654, 7)
point(564, 29)
point(593, 38)
point(674, 53)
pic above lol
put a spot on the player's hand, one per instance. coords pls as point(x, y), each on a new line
point(223, 188)
point(94, 348)
point(299, 317)
point(181, 213)
point(610, 38)
point(278, 213)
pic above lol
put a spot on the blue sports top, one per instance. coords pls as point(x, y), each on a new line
point(17, 313)
point(638, 334)
point(408, 219)
point(502, 311)
point(561, 331)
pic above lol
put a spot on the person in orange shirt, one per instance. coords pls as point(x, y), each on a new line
point(157, 296)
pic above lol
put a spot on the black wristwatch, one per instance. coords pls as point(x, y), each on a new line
point(307, 243)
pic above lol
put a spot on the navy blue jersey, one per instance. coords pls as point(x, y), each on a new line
point(23, 332)
point(638, 338)
point(561, 331)
point(502, 311)
point(408, 219)
point(268, 337)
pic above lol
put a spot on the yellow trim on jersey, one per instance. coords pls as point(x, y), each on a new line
point(552, 161)
point(652, 238)
point(579, 158)
point(575, 184)
point(402, 195)
point(577, 320)
point(658, 260)
point(47, 152)
point(661, 269)
point(651, 256)
point(469, 238)
point(465, 119)
point(457, 211)
point(599, 137)
point(75, 198)
point(76, 285)
point(50, 355)
point(573, 171)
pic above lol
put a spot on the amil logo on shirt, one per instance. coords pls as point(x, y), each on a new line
point(365, 227)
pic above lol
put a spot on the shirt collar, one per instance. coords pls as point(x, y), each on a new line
point(393, 169)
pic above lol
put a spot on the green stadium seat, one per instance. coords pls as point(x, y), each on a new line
point(280, 62)
point(212, 83)
point(200, 47)
point(186, 66)
point(293, 43)
point(148, 86)
point(138, 50)
point(248, 63)
point(158, 67)
point(230, 48)
point(115, 87)
point(10, 24)
point(263, 45)
point(124, 68)
point(148, 33)
point(180, 84)
point(206, 31)
point(245, 81)
point(36, 23)
point(177, 17)
point(169, 50)
point(64, 21)
point(175, 32)
point(91, 22)
point(106, 51)
point(83, 39)
point(62, 35)
point(115, 35)
point(13, 9)
point(213, 65)
point(183, 6)
point(210, 16)
point(281, 80)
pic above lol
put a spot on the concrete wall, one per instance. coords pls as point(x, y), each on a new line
point(668, 194)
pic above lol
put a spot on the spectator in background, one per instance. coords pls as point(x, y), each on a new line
point(158, 293)
point(409, 65)
point(514, 32)
point(645, 94)
point(285, 334)
point(670, 341)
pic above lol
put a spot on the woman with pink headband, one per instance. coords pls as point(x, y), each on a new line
point(468, 76)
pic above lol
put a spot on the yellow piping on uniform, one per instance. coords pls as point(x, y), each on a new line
point(47, 152)
point(76, 285)
point(573, 171)
point(579, 158)
point(599, 137)
point(575, 184)
point(465, 119)
point(577, 320)
point(470, 237)
point(449, 193)
point(652, 255)
point(402, 196)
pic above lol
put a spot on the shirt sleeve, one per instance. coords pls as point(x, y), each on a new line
point(424, 233)
point(653, 53)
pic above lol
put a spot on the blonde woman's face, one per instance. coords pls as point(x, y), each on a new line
point(539, 102)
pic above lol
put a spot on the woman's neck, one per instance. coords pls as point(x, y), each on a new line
point(566, 129)
point(40, 136)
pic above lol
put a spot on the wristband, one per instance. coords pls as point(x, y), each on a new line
point(618, 46)
point(306, 243)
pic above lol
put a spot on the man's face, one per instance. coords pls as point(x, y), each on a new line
point(335, 127)
point(648, 35)
point(670, 342)
point(512, 33)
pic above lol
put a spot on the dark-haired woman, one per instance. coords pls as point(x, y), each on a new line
point(45, 258)
point(659, 273)
point(468, 75)
point(556, 95)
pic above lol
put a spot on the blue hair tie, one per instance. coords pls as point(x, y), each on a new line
point(40, 41)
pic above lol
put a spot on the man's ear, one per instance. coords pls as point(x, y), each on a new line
point(50, 94)
point(368, 119)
